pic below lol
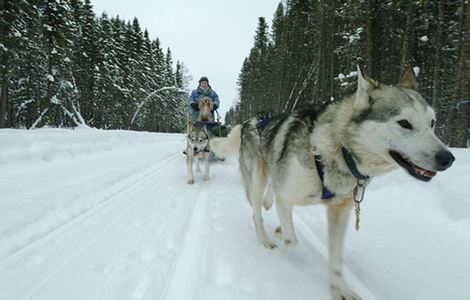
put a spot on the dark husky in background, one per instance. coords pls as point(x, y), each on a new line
point(327, 155)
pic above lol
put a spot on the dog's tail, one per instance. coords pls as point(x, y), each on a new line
point(229, 146)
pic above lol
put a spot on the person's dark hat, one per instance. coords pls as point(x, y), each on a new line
point(204, 78)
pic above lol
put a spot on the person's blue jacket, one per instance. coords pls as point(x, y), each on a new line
point(197, 95)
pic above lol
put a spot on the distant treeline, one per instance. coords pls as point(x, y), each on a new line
point(61, 66)
point(311, 51)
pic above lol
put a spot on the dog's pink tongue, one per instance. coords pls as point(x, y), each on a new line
point(425, 172)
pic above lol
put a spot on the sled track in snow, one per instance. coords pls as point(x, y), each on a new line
point(161, 167)
point(126, 183)
point(181, 281)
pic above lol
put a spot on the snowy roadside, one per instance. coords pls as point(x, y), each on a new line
point(20, 146)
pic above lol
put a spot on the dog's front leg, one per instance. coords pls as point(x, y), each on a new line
point(206, 166)
point(198, 167)
point(286, 231)
point(189, 164)
point(338, 216)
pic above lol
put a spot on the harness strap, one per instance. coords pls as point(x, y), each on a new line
point(218, 123)
point(362, 179)
point(326, 193)
point(203, 150)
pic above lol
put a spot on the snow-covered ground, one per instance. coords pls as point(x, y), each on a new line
point(91, 214)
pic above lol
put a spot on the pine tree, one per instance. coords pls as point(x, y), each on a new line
point(58, 48)
point(459, 111)
point(315, 46)
point(26, 68)
point(107, 69)
point(9, 45)
point(278, 57)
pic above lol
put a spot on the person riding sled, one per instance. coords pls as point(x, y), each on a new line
point(204, 90)
point(197, 97)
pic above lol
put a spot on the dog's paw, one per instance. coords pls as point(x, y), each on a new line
point(268, 244)
point(343, 293)
point(288, 241)
point(278, 233)
point(291, 242)
point(191, 181)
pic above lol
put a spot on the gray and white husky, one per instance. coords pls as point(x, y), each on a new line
point(197, 148)
point(327, 155)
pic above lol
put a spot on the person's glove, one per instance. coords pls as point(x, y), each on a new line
point(215, 107)
point(195, 106)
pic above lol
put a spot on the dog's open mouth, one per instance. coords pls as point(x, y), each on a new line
point(414, 170)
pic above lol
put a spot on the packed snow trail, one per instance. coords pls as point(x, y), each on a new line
point(91, 214)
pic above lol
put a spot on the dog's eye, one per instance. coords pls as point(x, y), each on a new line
point(405, 124)
point(433, 123)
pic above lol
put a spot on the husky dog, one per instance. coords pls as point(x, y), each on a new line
point(197, 147)
point(206, 106)
point(327, 155)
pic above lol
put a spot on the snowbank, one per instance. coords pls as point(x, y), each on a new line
point(19, 146)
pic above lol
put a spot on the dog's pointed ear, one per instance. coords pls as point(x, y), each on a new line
point(365, 85)
point(408, 80)
point(191, 125)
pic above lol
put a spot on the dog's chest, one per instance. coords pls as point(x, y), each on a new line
point(298, 182)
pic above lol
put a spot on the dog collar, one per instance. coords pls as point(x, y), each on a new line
point(352, 165)
point(362, 181)
point(326, 193)
point(359, 190)
point(203, 150)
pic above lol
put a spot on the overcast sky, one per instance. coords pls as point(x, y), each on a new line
point(211, 37)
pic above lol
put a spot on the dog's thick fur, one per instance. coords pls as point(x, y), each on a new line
point(197, 148)
point(383, 127)
point(206, 106)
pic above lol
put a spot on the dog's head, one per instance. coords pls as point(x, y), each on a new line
point(197, 138)
point(396, 124)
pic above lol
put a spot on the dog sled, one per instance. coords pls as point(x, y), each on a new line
point(205, 118)
point(215, 128)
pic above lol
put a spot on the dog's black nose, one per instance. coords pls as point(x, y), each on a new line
point(195, 148)
point(444, 159)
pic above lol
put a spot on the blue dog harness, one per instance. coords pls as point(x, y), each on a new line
point(326, 193)
point(361, 178)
